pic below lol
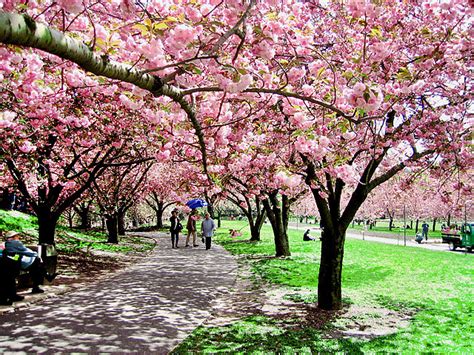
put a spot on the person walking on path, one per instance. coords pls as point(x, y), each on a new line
point(207, 229)
point(175, 228)
point(424, 230)
point(191, 227)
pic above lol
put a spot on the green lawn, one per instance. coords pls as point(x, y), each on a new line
point(435, 287)
point(71, 240)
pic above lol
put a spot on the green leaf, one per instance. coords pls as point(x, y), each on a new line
point(142, 28)
point(320, 72)
point(375, 32)
point(404, 74)
point(162, 26)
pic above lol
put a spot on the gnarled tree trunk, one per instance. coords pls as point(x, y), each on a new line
point(83, 210)
point(256, 226)
point(159, 215)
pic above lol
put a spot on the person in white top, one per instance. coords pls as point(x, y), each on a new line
point(207, 229)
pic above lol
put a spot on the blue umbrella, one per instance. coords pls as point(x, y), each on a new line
point(196, 203)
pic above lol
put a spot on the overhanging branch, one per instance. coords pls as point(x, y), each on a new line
point(22, 30)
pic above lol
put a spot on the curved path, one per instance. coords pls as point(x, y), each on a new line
point(147, 308)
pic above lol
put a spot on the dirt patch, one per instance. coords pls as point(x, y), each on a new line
point(252, 296)
point(352, 321)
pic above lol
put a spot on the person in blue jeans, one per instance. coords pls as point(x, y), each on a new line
point(207, 229)
point(424, 230)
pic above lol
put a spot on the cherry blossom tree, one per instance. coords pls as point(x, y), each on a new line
point(169, 184)
point(118, 189)
point(360, 90)
point(238, 192)
point(54, 154)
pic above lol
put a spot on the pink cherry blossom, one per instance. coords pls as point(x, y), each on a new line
point(27, 147)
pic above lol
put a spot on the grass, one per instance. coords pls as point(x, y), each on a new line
point(70, 240)
point(17, 221)
point(436, 287)
point(382, 226)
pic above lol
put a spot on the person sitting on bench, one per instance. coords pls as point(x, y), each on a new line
point(9, 270)
point(307, 237)
point(29, 260)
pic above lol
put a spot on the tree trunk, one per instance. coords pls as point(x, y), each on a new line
point(390, 224)
point(159, 209)
point(256, 226)
point(70, 219)
point(210, 210)
point(134, 222)
point(417, 225)
point(276, 215)
point(434, 224)
point(449, 220)
point(112, 228)
point(121, 222)
point(330, 271)
point(159, 219)
point(256, 223)
point(84, 217)
point(47, 222)
point(219, 217)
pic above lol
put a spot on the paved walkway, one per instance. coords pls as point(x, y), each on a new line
point(147, 308)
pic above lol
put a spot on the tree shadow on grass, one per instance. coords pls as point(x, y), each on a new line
point(356, 275)
point(265, 335)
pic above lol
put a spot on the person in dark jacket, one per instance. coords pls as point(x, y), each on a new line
point(9, 270)
point(307, 237)
point(424, 230)
point(29, 260)
point(175, 229)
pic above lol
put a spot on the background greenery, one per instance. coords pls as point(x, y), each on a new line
point(435, 287)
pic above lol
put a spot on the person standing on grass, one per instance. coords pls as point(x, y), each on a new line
point(207, 229)
point(424, 230)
